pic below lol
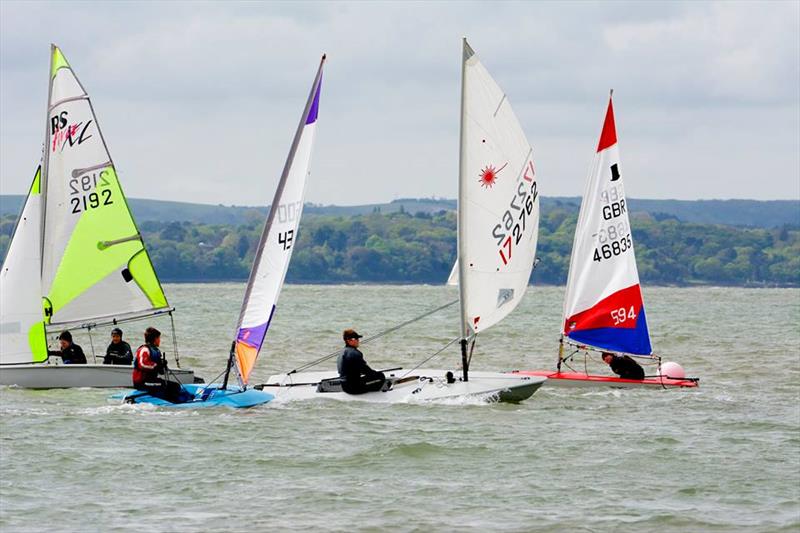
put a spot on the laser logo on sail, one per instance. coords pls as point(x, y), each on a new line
point(489, 175)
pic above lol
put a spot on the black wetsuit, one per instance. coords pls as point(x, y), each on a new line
point(357, 376)
point(72, 355)
point(626, 368)
point(118, 354)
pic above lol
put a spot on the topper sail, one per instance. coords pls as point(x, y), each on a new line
point(603, 304)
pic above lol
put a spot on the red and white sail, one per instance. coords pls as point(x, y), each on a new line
point(603, 303)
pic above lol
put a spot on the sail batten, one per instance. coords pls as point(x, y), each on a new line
point(498, 202)
point(276, 244)
point(603, 305)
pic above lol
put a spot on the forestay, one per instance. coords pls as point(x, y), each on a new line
point(94, 264)
point(498, 202)
point(603, 303)
point(277, 240)
point(22, 338)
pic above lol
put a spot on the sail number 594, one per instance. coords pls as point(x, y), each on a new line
point(621, 315)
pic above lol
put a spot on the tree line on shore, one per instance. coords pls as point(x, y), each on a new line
point(403, 248)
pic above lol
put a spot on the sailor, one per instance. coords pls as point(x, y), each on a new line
point(624, 366)
point(357, 377)
point(119, 351)
point(70, 353)
point(148, 364)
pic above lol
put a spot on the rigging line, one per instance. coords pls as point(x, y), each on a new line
point(211, 382)
point(432, 356)
point(471, 349)
point(91, 344)
point(374, 337)
point(587, 348)
point(174, 340)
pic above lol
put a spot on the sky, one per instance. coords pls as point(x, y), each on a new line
point(199, 101)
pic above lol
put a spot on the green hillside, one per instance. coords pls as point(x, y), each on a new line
point(744, 213)
point(400, 247)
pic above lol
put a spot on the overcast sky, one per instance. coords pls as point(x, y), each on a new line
point(199, 101)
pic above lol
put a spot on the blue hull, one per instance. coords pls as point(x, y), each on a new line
point(205, 396)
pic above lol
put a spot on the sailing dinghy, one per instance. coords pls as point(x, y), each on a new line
point(603, 306)
point(76, 259)
point(498, 222)
point(267, 275)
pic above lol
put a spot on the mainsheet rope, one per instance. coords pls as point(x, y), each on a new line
point(377, 336)
point(446, 346)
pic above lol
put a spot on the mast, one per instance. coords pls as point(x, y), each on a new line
point(466, 54)
point(43, 179)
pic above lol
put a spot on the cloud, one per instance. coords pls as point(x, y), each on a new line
point(199, 101)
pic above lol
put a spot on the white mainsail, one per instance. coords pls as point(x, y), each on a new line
point(277, 240)
point(22, 338)
point(603, 303)
point(498, 202)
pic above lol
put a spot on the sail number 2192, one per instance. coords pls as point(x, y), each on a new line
point(79, 187)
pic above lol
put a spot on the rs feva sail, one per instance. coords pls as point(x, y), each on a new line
point(603, 304)
point(498, 202)
point(94, 264)
point(277, 240)
point(22, 336)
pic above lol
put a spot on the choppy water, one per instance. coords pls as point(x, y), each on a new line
point(725, 457)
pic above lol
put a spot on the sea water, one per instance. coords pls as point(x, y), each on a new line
point(724, 457)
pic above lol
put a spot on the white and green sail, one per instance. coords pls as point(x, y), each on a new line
point(92, 263)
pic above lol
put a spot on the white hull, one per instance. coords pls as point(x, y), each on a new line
point(46, 376)
point(428, 384)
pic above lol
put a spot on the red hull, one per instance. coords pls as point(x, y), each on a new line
point(576, 379)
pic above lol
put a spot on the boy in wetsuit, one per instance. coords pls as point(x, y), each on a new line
point(70, 353)
point(148, 364)
point(119, 351)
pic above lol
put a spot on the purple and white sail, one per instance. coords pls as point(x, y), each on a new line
point(277, 240)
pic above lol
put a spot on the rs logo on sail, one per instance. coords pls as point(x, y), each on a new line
point(62, 133)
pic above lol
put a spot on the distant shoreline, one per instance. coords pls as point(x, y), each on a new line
point(533, 285)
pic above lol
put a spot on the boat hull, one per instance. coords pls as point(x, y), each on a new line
point(45, 376)
point(427, 385)
point(577, 379)
point(205, 396)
